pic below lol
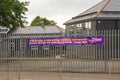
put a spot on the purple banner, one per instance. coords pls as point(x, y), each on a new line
point(66, 41)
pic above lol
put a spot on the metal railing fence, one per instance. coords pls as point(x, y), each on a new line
point(24, 61)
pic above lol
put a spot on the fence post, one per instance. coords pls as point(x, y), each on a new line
point(19, 69)
point(60, 64)
point(110, 68)
point(19, 60)
point(60, 69)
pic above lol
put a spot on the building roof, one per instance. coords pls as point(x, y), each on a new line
point(4, 31)
point(93, 9)
point(37, 30)
point(106, 9)
point(113, 5)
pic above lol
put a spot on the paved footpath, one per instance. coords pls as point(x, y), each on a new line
point(57, 76)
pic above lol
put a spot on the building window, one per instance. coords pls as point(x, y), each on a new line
point(79, 29)
point(73, 25)
point(79, 25)
point(87, 28)
point(46, 47)
point(34, 47)
point(71, 30)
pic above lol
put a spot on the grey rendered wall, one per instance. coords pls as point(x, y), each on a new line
point(106, 25)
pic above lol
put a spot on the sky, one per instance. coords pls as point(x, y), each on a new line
point(58, 10)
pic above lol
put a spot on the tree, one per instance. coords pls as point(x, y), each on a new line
point(12, 13)
point(37, 20)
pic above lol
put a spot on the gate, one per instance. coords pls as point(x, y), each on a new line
point(20, 61)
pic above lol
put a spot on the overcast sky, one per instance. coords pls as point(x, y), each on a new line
point(58, 10)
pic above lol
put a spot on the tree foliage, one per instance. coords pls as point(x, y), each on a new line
point(37, 20)
point(12, 13)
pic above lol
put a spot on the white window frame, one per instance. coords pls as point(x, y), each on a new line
point(79, 25)
point(88, 28)
point(46, 47)
point(34, 47)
